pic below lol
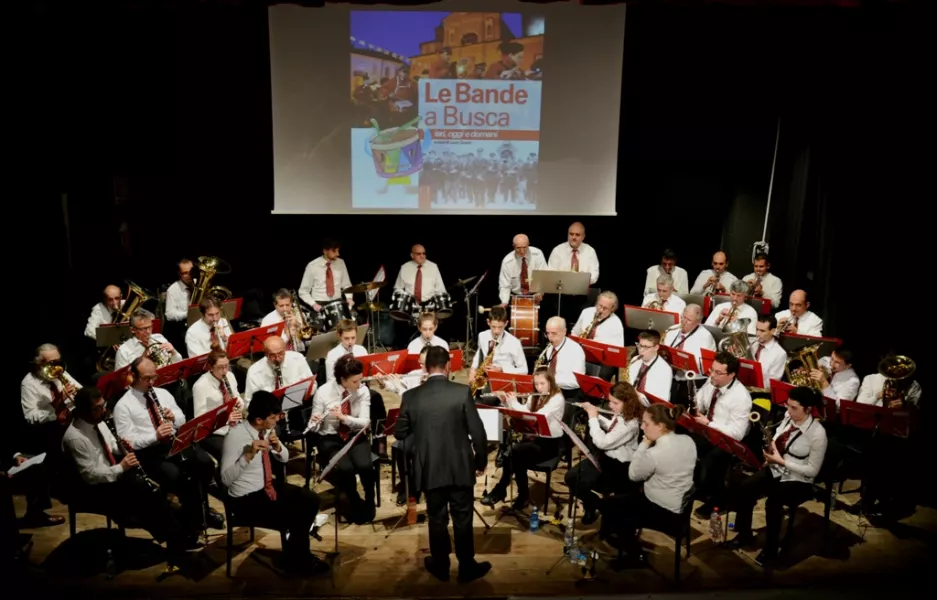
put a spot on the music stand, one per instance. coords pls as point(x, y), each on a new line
point(781, 391)
point(471, 330)
point(652, 399)
point(413, 362)
point(895, 422)
point(594, 387)
point(230, 310)
point(720, 440)
point(569, 283)
point(792, 342)
point(510, 382)
point(331, 465)
point(250, 341)
point(112, 334)
point(181, 370)
point(603, 354)
point(296, 394)
point(697, 299)
point(648, 318)
point(384, 363)
point(320, 345)
point(680, 359)
point(114, 383)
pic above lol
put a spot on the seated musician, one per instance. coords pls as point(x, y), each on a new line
point(563, 357)
point(419, 277)
point(283, 311)
point(724, 404)
point(508, 354)
point(340, 409)
point(111, 479)
point(517, 269)
point(836, 377)
point(791, 464)
point(600, 323)
point(104, 312)
point(145, 342)
point(668, 266)
point(616, 440)
point(148, 418)
point(247, 473)
point(663, 464)
point(216, 387)
point(210, 332)
point(278, 368)
point(762, 282)
point(33, 482)
point(690, 336)
point(648, 371)
point(400, 384)
point(664, 298)
point(716, 280)
point(532, 451)
point(43, 401)
point(873, 392)
point(325, 278)
point(767, 351)
point(734, 309)
point(427, 324)
point(797, 318)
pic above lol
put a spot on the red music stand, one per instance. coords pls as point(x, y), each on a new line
point(201, 427)
point(114, 383)
point(594, 386)
point(180, 370)
point(413, 362)
point(749, 370)
point(252, 340)
point(527, 423)
point(384, 363)
point(603, 354)
point(652, 399)
point(679, 359)
point(878, 419)
point(296, 394)
point(510, 382)
point(722, 441)
point(637, 317)
point(781, 391)
point(390, 423)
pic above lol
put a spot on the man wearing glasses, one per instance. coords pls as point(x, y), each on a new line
point(648, 372)
point(421, 279)
point(141, 326)
point(517, 270)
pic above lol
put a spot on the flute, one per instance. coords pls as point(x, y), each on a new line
point(505, 394)
point(601, 410)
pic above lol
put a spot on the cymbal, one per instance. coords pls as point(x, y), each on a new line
point(367, 286)
point(371, 306)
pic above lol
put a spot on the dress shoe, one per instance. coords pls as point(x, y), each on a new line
point(473, 571)
point(589, 516)
point(40, 519)
point(496, 495)
point(214, 519)
point(438, 571)
point(520, 503)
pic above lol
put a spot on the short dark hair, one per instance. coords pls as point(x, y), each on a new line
point(214, 356)
point(807, 397)
point(650, 335)
point(498, 313)
point(760, 256)
point(845, 353)
point(436, 358)
point(281, 294)
point(731, 363)
point(330, 244)
point(85, 398)
point(669, 254)
point(262, 405)
point(347, 366)
point(770, 319)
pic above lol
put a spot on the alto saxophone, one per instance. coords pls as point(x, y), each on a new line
point(481, 375)
point(539, 363)
point(588, 330)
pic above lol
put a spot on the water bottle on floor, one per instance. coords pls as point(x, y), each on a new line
point(568, 536)
point(534, 519)
point(715, 526)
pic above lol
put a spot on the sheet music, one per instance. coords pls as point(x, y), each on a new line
point(493, 423)
point(339, 455)
point(579, 444)
point(36, 460)
point(294, 395)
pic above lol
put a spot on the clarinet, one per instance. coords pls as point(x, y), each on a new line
point(160, 412)
point(138, 470)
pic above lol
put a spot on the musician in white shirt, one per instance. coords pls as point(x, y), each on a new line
point(104, 312)
point(325, 277)
point(616, 438)
point(873, 388)
point(419, 277)
point(691, 336)
point(508, 353)
point(212, 389)
point(532, 450)
point(600, 323)
point(735, 309)
point(517, 269)
point(767, 351)
point(427, 324)
point(210, 332)
point(179, 293)
point(563, 357)
point(42, 400)
point(278, 368)
point(648, 372)
point(145, 342)
point(667, 266)
point(836, 377)
point(341, 408)
point(664, 298)
point(792, 464)
point(798, 319)
point(763, 283)
point(283, 311)
point(718, 279)
point(575, 255)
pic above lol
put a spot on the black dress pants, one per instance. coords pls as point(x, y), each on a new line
point(294, 510)
point(780, 494)
point(186, 474)
point(584, 480)
point(356, 462)
point(522, 457)
point(440, 504)
point(713, 465)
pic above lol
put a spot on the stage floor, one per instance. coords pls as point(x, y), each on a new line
point(372, 563)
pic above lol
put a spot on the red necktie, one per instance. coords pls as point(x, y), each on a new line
point(525, 286)
point(712, 403)
point(642, 376)
point(107, 449)
point(225, 394)
point(553, 358)
point(758, 351)
point(682, 339)
point(591, 335)
point(781, 442)
point(612, 426)
point(575, 261)
point(343, 431)
point(268, 471)
point(329, 280)
point(418, 284)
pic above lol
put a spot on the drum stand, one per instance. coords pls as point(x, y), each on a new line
point(470, 328)
point(373, 339)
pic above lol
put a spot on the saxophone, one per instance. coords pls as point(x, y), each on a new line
point(481, 375)
point(591, 326)
point(539, 364)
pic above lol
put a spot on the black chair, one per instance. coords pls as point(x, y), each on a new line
point(233, 520)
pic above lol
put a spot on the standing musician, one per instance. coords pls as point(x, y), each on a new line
point(215, 387)
point(145, 343)
point(836, 377)
point(792, 462)
point(517, 269)
point(325, 278)
point(616, 439)
point(575, 255)
point(498, 350)
point(667, 266)
point(716, 280)
point(764, 284)
point(210, 332)
point(340, 409)
point(734, 309)
point(664, 298)
point(600, 323)
point(767, 351)
point(247, 473)
point(797, 318)
point(427, 324)
point(691, 336)
point(419, 277)
point(724, 404)
point(104, 312)
point(45, 405)
point(648, 372)
point(178, 299)
point(563, 357)
point(278, 368)
point(283, 311)
point(148, 418)
point(112, 480)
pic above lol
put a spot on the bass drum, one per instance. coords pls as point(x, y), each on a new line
point(440, 304)
point(525, 321)
point(403, 306)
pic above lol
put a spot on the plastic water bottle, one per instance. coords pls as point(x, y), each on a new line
point(572, 553)
point(110, 571)
point(715, 526)
point(568, 536)
point(534, 519)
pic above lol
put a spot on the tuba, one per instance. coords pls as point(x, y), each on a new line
point(897, 371)
point(136, 298)
point(208, 267)
point(808, 359)
point(737, 343)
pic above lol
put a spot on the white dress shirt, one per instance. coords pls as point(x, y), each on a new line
point(745, 312)
point(432, 280)
point(691, 342)
point(260, 375)
point(873, 384)
point(674, 304)
point(313, 289)
point(552, 409)
point(207, 395)
point(329, 396)
point(416, 346)
point(569, 360)
point(681, 282)
point(82, 443)
point(725, 279)
point(562, 256)
point(620, 442)
point(132, 349)
point(509, 281)
point(177, 301)
point(239, 475)
point(100, 315)
point(336, 353)
point(773, 359)
point(807, 324)
point(198, 337)
point(509, 354)
point(274, 317)
point(771, 287)
point(132, 419)
point(610, 331)
point(666, 468)
point(804, 451)
point(733, 407)
point(843, 385)
point(36, 398)
point(658, 380)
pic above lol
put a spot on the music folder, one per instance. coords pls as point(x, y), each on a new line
point(510, 382)
point(252, 340)
point(295, 394)
point(594, 387)
point(722, 441)
point(383, 363)
point(527, 423)
point(181, 370)
point(679, 359)
point(648, 318)
point(749, 370)
point(115, 334)
point(794, 341)
point(603, 354)
point(564, 283)
point(230, 310)
point(201, 427)
point(781, 391)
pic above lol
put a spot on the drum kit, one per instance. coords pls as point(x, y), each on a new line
point(404, 307)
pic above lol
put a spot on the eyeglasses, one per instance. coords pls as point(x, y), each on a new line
point(643, 347)
point(720, 373)
point(419, 253)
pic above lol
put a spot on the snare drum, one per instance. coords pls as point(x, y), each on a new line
point(440, 304)
point(403, 306)
point(525, 321)
point(333, 312)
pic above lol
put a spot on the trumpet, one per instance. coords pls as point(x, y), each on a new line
point(711, 285)
point(786, 324)
point(753, 285)
point(723, 321)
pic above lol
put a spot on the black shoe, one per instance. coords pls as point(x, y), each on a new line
point(40, 519)
point(440, 573)
point(705, 511)
point(494, 496)
point(520, 503)
point(401, 497)
point(473, 571)
point(741, 540)
point(589, 516)
point(214, 519)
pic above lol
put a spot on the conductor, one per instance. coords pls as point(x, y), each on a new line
point(440, 416)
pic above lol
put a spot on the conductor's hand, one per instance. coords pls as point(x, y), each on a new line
point(274, 440)
point(129, 461)
point(164, 431)
point(591, 410)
